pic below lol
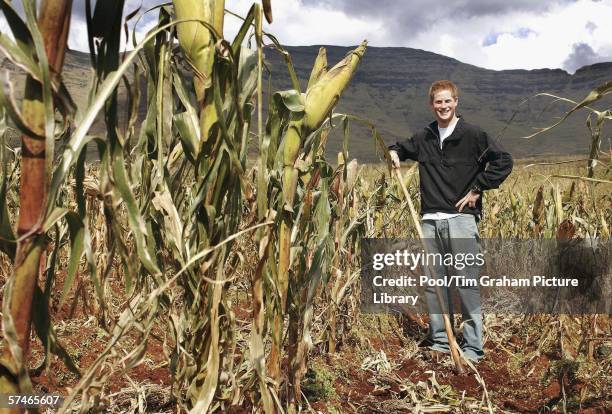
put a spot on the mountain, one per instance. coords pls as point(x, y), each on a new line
point(391, 85)
point(390, 89)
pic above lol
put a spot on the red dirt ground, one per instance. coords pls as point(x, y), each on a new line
point(356, 393)
point(512, 392)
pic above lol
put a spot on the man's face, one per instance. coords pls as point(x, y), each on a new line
point(443, 107)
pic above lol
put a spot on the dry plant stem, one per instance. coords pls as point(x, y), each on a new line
point(290, 177)
point(53, 23)
point(595, 142)
point(447, 325)
point(319, 101)
point(257, 288)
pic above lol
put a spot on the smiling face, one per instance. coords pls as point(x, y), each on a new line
point(443, 106)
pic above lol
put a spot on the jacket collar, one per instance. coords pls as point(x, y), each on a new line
point(433, 128)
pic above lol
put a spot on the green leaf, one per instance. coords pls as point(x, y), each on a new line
point(276, 124)
point(247, 76)
point(79, 137)
point(46, 333)
point(19, 57)
point(20, 30)
point(12, 110)
point(292, 100)
point(7, 237)
point(135, 220)
point(237, 42)
point(104, 14)
point(77, 234)
point(187, 122)
point(189, 134)
point(53, 217)
point(322, 213)
point(295, 83)
point(345, 130)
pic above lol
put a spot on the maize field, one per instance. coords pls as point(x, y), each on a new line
point(207, 258)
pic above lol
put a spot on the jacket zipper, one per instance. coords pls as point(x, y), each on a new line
point(438, 146)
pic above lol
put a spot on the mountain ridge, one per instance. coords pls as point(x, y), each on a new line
point(391, 84)
point(390, 89)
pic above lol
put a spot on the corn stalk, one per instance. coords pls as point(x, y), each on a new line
point(45, 40)
point(345, 246)
point(600, 117)
point(173, 197)
point(304, 115)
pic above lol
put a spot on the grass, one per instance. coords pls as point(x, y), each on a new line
point(319, 384)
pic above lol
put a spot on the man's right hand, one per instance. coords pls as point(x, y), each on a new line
point(395, 161)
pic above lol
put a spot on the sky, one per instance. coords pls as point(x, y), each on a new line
point(494, 34)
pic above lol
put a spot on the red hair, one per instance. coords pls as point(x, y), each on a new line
point(443, 85)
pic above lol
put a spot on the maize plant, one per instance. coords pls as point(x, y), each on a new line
point(298, 274)
point(601, 116)
point(171, 195)
point(349, 227)
point(43, 60)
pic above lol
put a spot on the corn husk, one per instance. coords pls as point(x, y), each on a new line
point(195, 39)
point(323, 95)
point(319, 68)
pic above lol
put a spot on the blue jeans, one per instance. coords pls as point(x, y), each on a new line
point(454, 235)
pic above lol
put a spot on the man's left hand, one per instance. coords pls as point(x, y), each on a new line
point(469, 199)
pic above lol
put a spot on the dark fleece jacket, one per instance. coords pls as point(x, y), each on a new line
point(468, 158)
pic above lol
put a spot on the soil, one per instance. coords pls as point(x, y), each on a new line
point(526, 388)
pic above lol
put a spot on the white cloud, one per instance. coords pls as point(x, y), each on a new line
point(298, 24)
point(526, 39)
point(547, 45)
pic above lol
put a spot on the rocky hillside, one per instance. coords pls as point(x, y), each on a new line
point(390, 89)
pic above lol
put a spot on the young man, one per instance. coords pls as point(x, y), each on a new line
point(457, 162)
